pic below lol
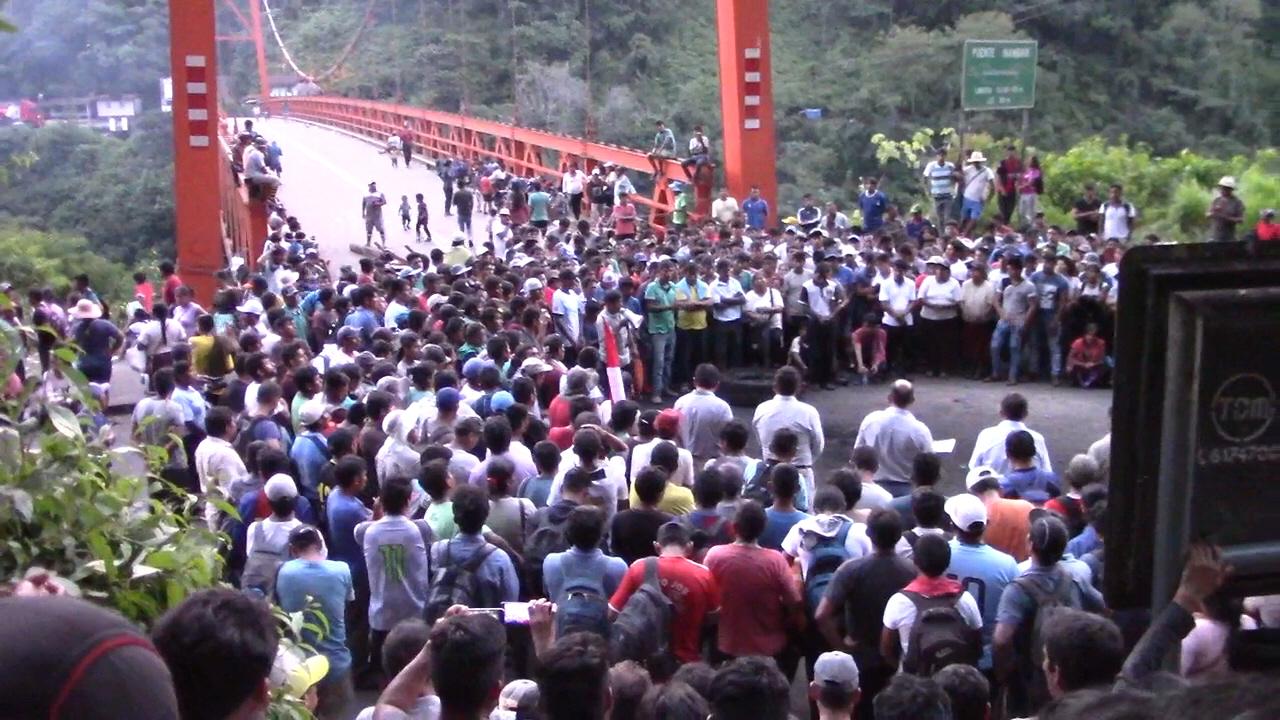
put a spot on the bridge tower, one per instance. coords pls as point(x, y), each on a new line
point(197, 153)
point(746, 99)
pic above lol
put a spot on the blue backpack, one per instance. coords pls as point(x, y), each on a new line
point(582, 605)
point(825, 557)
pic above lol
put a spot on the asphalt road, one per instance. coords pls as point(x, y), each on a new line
point(1070, 419)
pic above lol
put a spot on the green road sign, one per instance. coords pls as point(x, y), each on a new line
point(999, 74)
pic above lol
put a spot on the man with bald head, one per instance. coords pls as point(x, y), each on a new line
point(896, 434)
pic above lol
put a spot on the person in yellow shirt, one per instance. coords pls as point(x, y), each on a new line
point(676, 499)
point(693, 299)
point(210, 354)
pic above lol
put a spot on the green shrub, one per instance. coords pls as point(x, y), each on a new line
point(35, 258)
point(71, 505)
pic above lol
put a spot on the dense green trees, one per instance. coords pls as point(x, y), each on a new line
point(1168, 76)
point(1158, 76)
point(116, 193)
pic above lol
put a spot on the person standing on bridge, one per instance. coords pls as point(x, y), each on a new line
point(574, 184)
point(422, 226)
point(395, 146)
point(444, 169)
point(407, 148)
point(464, 201)
point(371, 210)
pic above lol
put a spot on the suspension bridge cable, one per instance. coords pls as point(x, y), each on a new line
point(342, 57)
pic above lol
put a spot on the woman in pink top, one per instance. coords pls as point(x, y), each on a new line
point(1204, 650)
point(1030, 188)
point(624, 218)
point(759, 597)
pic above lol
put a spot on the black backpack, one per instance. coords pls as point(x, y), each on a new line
point(641, 631)
point(456, 583)
point(548, 538)
point(940, 636)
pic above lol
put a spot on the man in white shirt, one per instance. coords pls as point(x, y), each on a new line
point(979, 186)
point(988, 449)
point(866, 464)
point(896, 434)
point(978, 320)
point(897, 295)
point(218, 465)
point(829, 521)
point(939, 302)
point(699, 153)
point(622, 185)
point(574, 184)
point(764, 313)
point(724, 208)
point(1118, 215)
point(395, 147)
point(500, 233)
point(566, 308)
point(785, 410)
point(824, 300)
point(727, 300)
point(255, 165)
point(341, 352)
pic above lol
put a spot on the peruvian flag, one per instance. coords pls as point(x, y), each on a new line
point(612, 365)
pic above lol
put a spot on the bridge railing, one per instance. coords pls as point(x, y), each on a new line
point(244, 220)
point(447, 134)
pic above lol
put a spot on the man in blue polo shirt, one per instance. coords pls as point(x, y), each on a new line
point(873, 204)
point(756, 209)
point(979, 568)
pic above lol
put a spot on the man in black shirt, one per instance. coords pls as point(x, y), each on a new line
point(858, 593)
point(464, 202)
point(635, 531)
point(1085, 211)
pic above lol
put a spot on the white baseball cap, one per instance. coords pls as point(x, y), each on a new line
point(965, 510)
point(981, 472)
point(311, 412)
point(280, 486)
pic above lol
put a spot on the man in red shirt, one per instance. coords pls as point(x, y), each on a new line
point(760, 598)
point(1267, 228)
point(689, 586)
point(1007, 174)
point(171, 283)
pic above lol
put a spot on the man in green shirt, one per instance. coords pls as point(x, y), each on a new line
point(684, 203)
point(660, 302)
point(664, 147)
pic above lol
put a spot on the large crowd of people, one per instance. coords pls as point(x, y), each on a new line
point(440, 459)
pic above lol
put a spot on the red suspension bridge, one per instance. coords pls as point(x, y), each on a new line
point(210, 227)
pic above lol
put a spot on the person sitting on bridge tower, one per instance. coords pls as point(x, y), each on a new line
point(699, 153)
point(262, 182)
point(664, 148)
